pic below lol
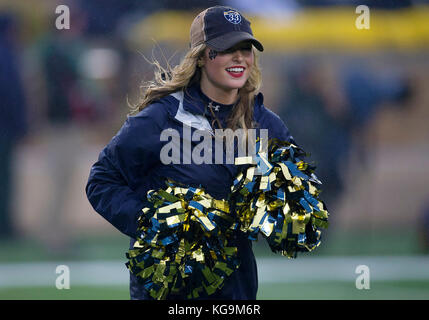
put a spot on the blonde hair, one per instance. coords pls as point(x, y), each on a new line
point(168, 80)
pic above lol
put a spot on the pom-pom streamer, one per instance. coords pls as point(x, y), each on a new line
point(278, 196)
point(186, 238)
point(184, 244)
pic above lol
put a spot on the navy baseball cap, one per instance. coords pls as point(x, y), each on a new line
point(221, 28)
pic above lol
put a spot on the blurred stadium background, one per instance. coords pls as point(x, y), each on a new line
point(357, 99)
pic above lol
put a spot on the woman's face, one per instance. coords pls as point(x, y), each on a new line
point(227, 70)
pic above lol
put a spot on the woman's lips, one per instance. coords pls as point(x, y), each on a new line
point(236, 71)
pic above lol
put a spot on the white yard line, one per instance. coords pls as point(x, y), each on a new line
point(270, 270)
point(342, 268)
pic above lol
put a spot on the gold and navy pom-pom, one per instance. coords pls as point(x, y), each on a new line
point(278, 196)
point(185, 244)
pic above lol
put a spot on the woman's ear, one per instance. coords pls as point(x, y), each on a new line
point(201, 60)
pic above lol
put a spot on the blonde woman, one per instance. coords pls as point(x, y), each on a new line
point(215, 87)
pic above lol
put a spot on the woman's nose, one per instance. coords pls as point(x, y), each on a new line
point(238, 55)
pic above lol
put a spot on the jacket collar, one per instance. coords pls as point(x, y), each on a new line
point(197, 102)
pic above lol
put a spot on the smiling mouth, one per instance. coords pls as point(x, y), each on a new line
point(236, 72)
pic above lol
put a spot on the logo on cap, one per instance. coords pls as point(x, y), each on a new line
point(232, 16)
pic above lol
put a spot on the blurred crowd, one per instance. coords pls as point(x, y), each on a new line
point(328, 115)
point(63, 85)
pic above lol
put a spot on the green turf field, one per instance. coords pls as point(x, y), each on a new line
point(110, 247)
point(399, 270)
point(379, 290)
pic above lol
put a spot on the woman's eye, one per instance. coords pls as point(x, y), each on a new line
point(231, 50)
point(227, 51)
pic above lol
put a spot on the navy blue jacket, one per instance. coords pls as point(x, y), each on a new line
point(130, 165)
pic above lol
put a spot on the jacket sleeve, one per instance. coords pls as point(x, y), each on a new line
point(284, 133)
point(281, 131)
point(267, 119)
point(115, 183)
